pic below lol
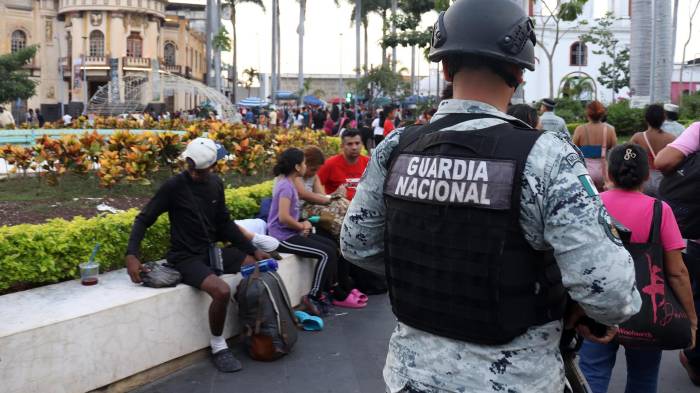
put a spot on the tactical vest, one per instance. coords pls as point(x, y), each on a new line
point(457, 262)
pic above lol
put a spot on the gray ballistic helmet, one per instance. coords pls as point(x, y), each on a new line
point(496, 29)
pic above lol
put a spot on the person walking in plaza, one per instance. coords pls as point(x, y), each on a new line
point(550, 121)
point(668, 160)
point(671, 125)
point(389, 115)
point(526, 113)
point(346, 168)
point(39, 118)
point(6, 118)
point(195, 203)
point(652, 140)
point(29, 117)
point(594, 139)
point(468, 215)
point(628, 168)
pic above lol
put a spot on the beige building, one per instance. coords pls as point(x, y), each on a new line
point(83, 44)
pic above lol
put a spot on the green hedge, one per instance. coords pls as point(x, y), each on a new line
point(572, 127)
point(39, 254)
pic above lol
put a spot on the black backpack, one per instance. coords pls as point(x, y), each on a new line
point(661, 322)
point(266, 316)
point(681, 190)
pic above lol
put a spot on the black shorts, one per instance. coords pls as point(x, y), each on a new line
point(194, 272)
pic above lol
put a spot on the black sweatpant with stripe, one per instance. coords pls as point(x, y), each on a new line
point(319, 248)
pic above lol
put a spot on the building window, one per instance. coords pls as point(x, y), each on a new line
point(169, 54)
point(19, 41)
point(134, 45)
point(578, 54)
point(97, 44)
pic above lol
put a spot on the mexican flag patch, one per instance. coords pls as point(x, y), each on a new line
point(588, 185)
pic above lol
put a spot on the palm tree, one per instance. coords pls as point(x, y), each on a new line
point(232, 4)
point(300, 31)
point(367, 7)
point(252, 73)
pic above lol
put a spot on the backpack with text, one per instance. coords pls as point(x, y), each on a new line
point(266, 315)
point(661, 323)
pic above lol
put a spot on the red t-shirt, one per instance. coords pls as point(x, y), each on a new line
point(336, 171)
point(388, 126)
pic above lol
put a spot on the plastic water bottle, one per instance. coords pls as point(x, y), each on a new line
point(266, 265)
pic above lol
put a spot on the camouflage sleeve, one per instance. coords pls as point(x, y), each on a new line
point(362, 235)
point(562, 210)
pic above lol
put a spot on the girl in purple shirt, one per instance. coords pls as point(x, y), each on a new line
point(295, 236)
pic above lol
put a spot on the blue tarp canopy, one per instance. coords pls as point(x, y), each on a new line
point(412, 100)
point(252, 101)
point(381, 101)
point(311, 100)
point(285, 95)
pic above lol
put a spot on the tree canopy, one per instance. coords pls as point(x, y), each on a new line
point(14, 80)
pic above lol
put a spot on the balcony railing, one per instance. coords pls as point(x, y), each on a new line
point(175, 69)
point(95, 61)
point(137, 62)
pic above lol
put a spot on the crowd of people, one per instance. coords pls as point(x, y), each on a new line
point(494, 239)
point(308, 184)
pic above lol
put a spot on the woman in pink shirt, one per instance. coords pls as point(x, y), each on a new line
point(628, 169)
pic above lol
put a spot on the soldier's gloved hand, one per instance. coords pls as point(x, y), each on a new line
point(605, 338)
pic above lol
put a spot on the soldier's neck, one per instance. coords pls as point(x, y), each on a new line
point(483, 88)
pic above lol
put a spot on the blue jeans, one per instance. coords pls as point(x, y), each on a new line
point(597, 362)
point(692, 261)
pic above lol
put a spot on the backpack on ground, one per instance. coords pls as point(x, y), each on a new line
point(267, 318)
point(681, 190)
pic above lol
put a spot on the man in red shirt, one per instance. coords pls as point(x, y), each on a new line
point(345, 169)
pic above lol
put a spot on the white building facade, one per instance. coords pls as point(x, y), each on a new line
point(572, 58)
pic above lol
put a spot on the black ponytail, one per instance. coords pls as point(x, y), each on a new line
point(287, 161)
point(628, 166)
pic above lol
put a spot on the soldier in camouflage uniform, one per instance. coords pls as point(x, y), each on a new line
point(559, 212)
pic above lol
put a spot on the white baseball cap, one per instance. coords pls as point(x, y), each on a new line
point(204, 152)
point(671, 108)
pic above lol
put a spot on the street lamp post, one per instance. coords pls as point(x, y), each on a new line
point(341, 90)
point(85, 86)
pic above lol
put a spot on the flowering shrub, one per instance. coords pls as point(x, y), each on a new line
point(131, 157)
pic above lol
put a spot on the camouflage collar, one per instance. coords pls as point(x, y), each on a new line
point(468, 106)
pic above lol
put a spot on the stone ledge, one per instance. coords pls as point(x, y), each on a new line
point(70, 338)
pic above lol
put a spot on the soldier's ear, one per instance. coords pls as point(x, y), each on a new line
point(445, 71)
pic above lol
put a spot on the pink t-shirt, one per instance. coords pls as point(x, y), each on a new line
point(636, 210)
point(689, 141)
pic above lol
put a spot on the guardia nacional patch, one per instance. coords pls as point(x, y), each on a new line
point(588, 185)
point(606, 222)
point(437, 179)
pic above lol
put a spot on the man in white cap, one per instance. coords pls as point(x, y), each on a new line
point(194, 201)
point(671, 125)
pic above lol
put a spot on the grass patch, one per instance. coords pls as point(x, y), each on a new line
point(72, 186)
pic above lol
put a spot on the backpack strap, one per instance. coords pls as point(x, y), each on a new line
point(655, 231)
point(412, 134)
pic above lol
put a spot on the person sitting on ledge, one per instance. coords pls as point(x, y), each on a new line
point(194, 201)
point(346, 168)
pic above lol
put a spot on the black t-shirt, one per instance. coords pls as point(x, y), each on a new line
point(188, 239)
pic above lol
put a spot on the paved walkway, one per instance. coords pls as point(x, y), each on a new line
point(347, 357)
